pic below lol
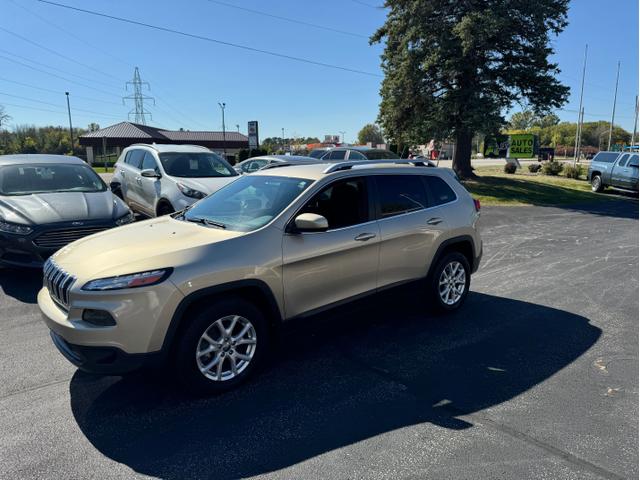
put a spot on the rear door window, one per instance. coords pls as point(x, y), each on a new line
point(354, 155)
point(336, 155)
point(633, 162)
point(623, 160)
point(400, 194)
point(441, 193)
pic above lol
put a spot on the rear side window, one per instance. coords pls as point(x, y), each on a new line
point(336, 155)
point(634, 161)
point(400, 194)
point(605, 157)
point(440, 192)
point(623, 160)
point(353, 155)
point(134, 158)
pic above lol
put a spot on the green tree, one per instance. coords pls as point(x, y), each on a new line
point(370, 133)
point(522, 120)
point(546, 121)
point(452, 67)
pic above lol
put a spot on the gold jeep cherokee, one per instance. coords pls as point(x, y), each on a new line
point(205, 287)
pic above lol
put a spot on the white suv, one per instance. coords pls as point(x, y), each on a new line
point(156, 180)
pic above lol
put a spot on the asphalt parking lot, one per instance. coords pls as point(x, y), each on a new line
point(536, 377)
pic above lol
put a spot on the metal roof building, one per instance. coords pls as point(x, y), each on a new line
point(121, 135)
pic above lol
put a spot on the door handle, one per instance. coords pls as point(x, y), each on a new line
point(363, 237)
point(139, 180)
point(434, 221)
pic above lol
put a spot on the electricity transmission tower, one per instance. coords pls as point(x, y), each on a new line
point(140, 114)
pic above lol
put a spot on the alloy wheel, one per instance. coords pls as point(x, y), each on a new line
point(452, 282)
point(226, 348)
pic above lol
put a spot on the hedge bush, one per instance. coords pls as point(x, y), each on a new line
point(573, 171)
point(534, 167)
point(552, 168)
point(510, 167)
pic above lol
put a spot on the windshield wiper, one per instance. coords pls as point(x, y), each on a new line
point(206, 221)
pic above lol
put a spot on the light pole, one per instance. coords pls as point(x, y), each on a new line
point(238, 127)
point(224, 133)
point(283, 138)
point(342, 132)
point(70, 125)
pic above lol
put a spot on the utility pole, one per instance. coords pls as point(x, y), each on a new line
point(224, 130)
point(584, 69)
point(580, 121)
point(283, 138)
point(138, 98)
point(70, 125)
point(635, 126)
point(613, 111)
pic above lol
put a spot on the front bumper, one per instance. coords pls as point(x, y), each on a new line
point(104, 360)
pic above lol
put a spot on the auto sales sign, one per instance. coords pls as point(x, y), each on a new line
point(522, 145)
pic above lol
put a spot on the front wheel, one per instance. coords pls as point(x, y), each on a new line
point(222, 346)
point(596, 183)
point(164, 208)
point(450, 282)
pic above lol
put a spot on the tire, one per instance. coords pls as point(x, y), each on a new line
point(448, 269)
point(190, 363)
point(596, 183)
point(164, 208)
point(116, 189)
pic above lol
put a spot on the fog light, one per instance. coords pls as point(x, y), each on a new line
point(99, 318)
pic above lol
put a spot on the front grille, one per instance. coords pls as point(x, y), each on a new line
point(58, 282)
point(60, 238)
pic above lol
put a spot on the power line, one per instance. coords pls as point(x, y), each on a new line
point(61, 55)
point(57, 105)
point(288, 19)
point(360, 2)
point(105, 52)
point(62, 112)
point(58, 92)
point(56, 75)
point(213, 40)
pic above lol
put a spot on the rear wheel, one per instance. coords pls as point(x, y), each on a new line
point(596, 183)
point(165, 208)
point(222, 346)
point(449, 284)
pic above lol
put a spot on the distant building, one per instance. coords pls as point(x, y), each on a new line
point(121, 135)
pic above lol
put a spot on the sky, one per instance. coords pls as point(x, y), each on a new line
point(46, 50)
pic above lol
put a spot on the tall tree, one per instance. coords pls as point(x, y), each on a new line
point(453, 67)
point(522, 120)
point(370, 133)
point(4, 116)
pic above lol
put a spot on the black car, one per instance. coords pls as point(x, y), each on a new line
point(48, 201)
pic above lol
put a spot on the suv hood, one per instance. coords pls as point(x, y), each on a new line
point(42, 208)
point(157, 243)
point(206, 185)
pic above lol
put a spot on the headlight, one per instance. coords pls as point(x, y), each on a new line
point(133, 280)
point(190, 192)
point(128, 218)
point(14, 228)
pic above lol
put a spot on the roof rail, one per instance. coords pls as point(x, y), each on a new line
point(287, 164)
point(335, 167)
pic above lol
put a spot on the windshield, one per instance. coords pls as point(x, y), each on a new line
point(380, 155)
point(195, 165)
point(248, 203)
point(48, 178)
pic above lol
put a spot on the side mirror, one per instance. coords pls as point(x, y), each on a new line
point(150, 173)
point(310, 222)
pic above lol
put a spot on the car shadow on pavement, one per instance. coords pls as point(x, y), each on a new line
point(21, 284)
point(359, 373)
